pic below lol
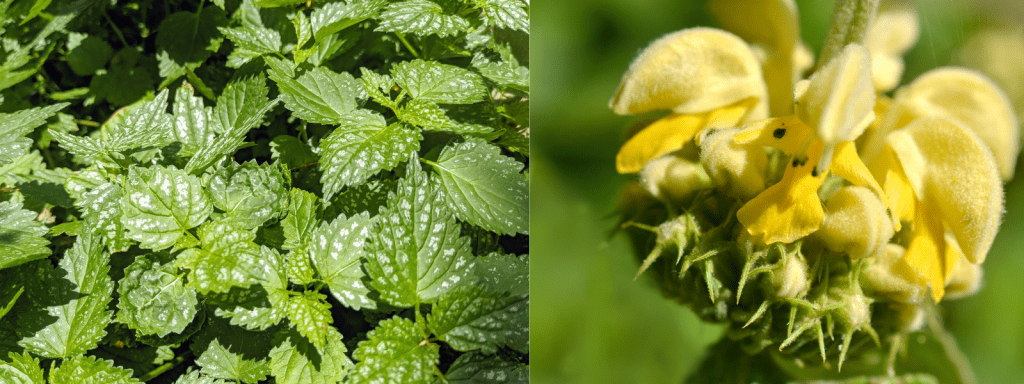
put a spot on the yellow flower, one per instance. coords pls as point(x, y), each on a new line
point(893, 33)
point(707, 77)
point(832, 108)
point(940, 174)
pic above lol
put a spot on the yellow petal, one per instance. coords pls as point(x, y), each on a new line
point(692, 71)
point(737, 169)
point(893, 33)
point(788, 210)
point(962, 277)
point(846, 164)
point(972, 99)
point(889, 275)
point(673, 177)
point(840, 98)
point(774, 25)
point(855, 223)
point(786, 134)
point(671, 133)
point(899, 195)
point(925, 253)
point(958, 180)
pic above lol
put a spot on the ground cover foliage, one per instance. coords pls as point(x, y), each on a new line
point(264, 191)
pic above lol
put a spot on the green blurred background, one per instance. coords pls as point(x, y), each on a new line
point(591, 323)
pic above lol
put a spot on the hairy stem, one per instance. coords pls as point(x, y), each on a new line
point(851, 20)
point(165, 367)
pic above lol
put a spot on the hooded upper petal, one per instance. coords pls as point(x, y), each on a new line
point(893, 33)
point(692, 71)
point(839, 99)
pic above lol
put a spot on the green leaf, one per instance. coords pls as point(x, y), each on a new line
point(353, 153)
point(77, 294)
point(509, 14)
point(251, 41)
point(21, 368)
point(260, 306)
point(239, 108)
point(504, 273)
point(154, 299)
point(248, 193)
point(304, 214)
point(160, 204)
point(228, 258)
point(337, 251)
point(422, 18)
point(14, 127)
point(506, 75)
point(300, 267)
point(295, 360)
point(83, 181)
point(311, 315)
point(102, 209)
point(318, 95)
point(292, 152)
point(192, 121)
point(395, 352)
point(477, 368)
point(86, 55)
point(194, 377)
point(334, 17)
point(416, 253)
point(367, 197)
point(90, 370)
point(440, 83)
point(472, 317)
point(21, 237)
point(483, 186)
point(228, 352)
point(190, 39)
point(145, 125)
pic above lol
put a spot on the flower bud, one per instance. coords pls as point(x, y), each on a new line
point(789, 281)
point(855, 223)
point(736, 169)
point(673, 177)
point(888, 275)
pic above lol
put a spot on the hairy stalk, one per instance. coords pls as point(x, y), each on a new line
point(851, 20)
point(165, 367)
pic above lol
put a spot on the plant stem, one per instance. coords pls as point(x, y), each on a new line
point(165, 367)
point(401, 36)
point(116, 29)
point(851, 20)
point(952, 351)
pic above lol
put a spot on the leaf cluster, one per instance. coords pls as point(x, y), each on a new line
point(264, 190)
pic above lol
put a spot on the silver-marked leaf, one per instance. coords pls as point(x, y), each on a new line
point(353, 153)
point(304, 213)
point(228, 352)
point(21, 368)
point(378, 86)
point(421, 18)
point(14, 127)
point(311, 315)
point(318, 95)
point(416, 252)
point(440, 83)
point(369, 197)
point(228, 258)
point(251, 41)
point(471, 317)
point(21, 237)
point(478, 368)
point(90, 370)
point(239, 108)
point(146, 124)
point(248, 193)
point(300, 267)
point(259, 306)
point(102, 212)
point(76, 295)
point(154, 299)
point(483, 186)
point(509, 14)
point(504, 273)
point(337, 253)
point(160, 204)
point(507, 75)
point(296, 361)
point(334, 17)
point(424, 114)
point(191, 121)
point(194, 377)
point(86, 147)
point(395, 352)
